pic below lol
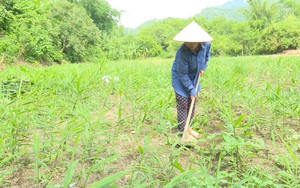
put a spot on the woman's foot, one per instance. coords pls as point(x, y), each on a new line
point(187, 138)
point(194, 133)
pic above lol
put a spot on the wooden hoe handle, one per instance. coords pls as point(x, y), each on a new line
point(187, 123)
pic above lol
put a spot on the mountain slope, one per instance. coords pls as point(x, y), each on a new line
point(228, 10)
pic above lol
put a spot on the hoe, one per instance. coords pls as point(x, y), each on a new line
point(189, 134)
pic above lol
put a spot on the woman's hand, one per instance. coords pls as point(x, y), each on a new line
point(201, 72)
point(193, 97)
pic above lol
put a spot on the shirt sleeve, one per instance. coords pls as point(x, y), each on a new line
point(183, 75)
point(207, 56)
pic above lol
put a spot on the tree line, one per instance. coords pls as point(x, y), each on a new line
point(46, 31)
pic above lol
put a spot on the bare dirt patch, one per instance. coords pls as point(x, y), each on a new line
point(291, 52)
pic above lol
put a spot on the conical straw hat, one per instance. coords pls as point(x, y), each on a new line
point(193, 33)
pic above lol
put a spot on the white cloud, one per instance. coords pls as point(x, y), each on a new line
point(136, 12)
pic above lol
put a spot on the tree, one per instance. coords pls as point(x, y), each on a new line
point(290, 7)
point(7, 12)
point(76, 30)
point(161, 31)
point(104, 17)
point(27, 30)
point(148, 47)
point(281, 36)
point(243, 36)
point(261, 13)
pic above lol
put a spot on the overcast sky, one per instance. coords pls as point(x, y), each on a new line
point(136, 12)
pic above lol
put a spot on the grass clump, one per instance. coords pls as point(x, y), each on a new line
point(74, 128)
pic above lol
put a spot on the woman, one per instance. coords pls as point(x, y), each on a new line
point(190, 62)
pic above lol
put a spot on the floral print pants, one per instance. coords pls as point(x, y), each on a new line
point(183, 107)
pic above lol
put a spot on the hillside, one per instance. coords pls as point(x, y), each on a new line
point(230, 10)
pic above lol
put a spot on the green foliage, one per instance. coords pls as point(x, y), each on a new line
point(104, 17)
point(52, 30)
point(161, 33)
point(229, 13)
point(6, 15)
point(13, 87)
point(76, 32)
point(87, 30)
point(27, 32)
point(148, 47)
point(115, 48)
point(221, 30)
point(261, 13)
point(243, 38)
point(107, 181)
point(10, 47)
point(229, 10)
point(102, 14)
point(290, 7)
point(280, 36)
point(121, 133)
point(230, 37)
point(34, 34)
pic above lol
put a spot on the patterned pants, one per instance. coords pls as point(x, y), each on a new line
point(183, 107)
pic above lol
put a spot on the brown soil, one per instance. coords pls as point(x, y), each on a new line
point(291, 52)
point(126, 143)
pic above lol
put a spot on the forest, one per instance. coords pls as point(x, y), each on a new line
point(74, 31)
point(87, 102)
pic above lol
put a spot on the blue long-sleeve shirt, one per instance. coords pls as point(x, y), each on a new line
point(186, 68)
